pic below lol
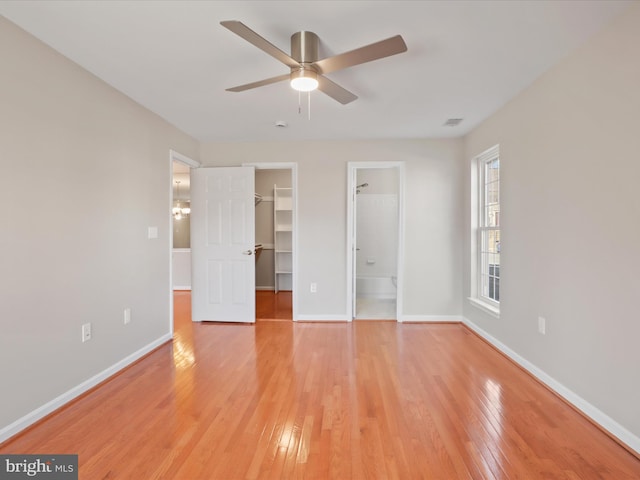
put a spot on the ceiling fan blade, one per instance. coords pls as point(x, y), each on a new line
point(374, 51)
point(335, 91)
point(253, 38)
point(261, 83)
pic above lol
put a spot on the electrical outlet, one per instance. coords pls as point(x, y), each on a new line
point(86, 332)
point(542, 325)
point(127, 316)
point(313, 288)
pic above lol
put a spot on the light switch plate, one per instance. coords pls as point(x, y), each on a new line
point(86, 332)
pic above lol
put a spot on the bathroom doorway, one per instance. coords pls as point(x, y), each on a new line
point(376, 193)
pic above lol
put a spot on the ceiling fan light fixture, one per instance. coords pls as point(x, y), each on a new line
point(304, 80)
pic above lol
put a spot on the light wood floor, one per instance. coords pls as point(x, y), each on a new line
point(274, 306)
point(362, 400)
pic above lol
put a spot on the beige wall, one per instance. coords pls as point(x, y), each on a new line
point(571, 222)
point(433, 245)
point(85, 172)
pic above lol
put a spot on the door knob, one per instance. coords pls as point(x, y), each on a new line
point(248, 252)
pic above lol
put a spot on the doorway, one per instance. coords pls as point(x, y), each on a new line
point(287, 171)
point(376, 225)
point(180, 238)
point(181, 226)
point(275, 241)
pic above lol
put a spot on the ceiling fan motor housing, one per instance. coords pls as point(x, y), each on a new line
point(304, 47)
point(304, 50)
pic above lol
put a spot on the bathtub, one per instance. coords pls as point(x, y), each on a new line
point(376, 287)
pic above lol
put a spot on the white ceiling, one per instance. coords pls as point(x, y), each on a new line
point(465, 59)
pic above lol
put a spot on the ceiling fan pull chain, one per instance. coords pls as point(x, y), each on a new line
point(309, 105)
point(299, 103)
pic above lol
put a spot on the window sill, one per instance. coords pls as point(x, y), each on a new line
point(485, 307)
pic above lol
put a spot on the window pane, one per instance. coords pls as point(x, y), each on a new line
point(484, 286)
point(490, 264)
point(492, 216)
point(493, 192)
point(493, 241)
point(493, 171)
point(492, 288)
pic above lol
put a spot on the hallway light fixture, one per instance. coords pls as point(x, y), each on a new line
point(179, 212)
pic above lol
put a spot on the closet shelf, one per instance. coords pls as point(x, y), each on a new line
point(283, 238)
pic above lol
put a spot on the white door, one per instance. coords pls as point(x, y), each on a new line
point(222, 244)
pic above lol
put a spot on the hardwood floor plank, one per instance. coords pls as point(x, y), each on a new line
point(271, 306)
point(280, 399)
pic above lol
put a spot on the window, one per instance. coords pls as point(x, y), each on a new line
point(488, 232)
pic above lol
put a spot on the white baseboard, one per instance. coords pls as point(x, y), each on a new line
point(596, 415)
point(430, 318)
point(322, 318)
point(40, 412)
point(266, 288)
point(403, 318)
point(182, 287)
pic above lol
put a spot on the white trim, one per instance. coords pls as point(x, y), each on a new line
point(598, 416)
point(489, 154)
point(182, 287)
point(293, 166)
point(58, 402)
point(485, 307)
point(401, 227)
point(266, 288)
point(352, 167)
point(178, 157)
point(323, 318)
point(431, 318)
point(351, 232)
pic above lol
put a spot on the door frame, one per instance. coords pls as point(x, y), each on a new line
point(293, 167)
point(191, 163)
point(352, 169)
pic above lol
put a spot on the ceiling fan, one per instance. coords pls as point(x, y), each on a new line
point(307, 71)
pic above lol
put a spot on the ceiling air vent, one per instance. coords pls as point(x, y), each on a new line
point(453, 122)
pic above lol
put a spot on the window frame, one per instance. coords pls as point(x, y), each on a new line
point(480, 293)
